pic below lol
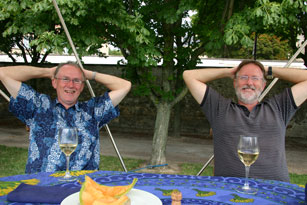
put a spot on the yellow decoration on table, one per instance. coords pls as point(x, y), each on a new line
point(166, 192)
point(8, 186)
point(30, 181)
point(238, 199)
point(201, 193)
point(73, 173)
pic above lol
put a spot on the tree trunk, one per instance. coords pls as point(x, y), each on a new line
point(177, 120)
point(161, 133)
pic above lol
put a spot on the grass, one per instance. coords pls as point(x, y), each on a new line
point(13, 162)
point(109, 163)
point(193, 169)
point(300, 179)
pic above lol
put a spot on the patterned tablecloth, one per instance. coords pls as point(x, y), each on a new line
point(194, 189)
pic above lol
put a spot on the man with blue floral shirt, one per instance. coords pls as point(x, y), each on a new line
point(44, 116)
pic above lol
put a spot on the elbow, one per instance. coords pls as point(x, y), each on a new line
point(127, 86)
point(1, 74)
point(186, 75)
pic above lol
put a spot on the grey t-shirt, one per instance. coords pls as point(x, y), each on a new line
point(268, 120)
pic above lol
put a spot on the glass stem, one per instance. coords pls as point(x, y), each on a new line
point(246, 177)
point(67, 166)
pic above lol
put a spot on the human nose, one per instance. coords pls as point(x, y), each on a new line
point(249, 80)
point(70, 83)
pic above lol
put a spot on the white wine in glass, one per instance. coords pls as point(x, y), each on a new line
point(248, 151)
point(68, 141)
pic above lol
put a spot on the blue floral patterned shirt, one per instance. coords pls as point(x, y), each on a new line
point(44, 116)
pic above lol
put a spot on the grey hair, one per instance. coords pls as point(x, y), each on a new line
point(72, 63)
point(246, 62)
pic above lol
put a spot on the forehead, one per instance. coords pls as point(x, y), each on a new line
point(251, 70)
point(70, 71)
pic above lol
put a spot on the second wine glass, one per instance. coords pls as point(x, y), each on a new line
point(248, 151)
point(68, 141)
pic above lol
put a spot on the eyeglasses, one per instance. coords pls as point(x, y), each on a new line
point(253, 78)
point(67, 80)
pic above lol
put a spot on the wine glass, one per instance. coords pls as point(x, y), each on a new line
point(248, 151)
point(68, 141)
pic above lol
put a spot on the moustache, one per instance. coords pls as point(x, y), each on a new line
point(248, 87)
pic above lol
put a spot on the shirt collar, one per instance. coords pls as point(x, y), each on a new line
point(75, 106)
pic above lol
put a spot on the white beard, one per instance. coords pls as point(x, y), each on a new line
point(248, 98)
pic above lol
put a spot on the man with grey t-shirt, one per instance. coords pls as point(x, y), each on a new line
point(268, 119)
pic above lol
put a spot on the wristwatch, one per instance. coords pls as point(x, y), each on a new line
point(270, 73)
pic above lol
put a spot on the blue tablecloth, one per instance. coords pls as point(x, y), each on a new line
point(194, 189)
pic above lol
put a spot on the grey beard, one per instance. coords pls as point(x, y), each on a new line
point(247, 100)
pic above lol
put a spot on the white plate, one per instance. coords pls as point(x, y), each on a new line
point(137, 197)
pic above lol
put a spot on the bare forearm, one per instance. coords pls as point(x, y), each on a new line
point(110, 81)
point(207, 74)
point(196, 79)
point(24, 73)
point(118, 87)
point(294, 75)
point(12, 76)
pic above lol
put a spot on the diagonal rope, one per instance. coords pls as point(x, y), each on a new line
point(4, 95)
point(87, 82)
point(261, 96)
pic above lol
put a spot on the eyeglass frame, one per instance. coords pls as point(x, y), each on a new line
point(246, 78)
point(67, 80)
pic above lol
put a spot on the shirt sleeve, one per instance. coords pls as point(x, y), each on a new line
point(213, 104)
point(27, 103)
point(285, 104)
point(104, 110)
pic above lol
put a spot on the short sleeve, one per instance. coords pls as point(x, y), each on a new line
point(213, 104)
point(285, 104)
point(104, 110)
point(27, 103)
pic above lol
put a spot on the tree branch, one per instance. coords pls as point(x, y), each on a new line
point(179, 97)
point(22, 51)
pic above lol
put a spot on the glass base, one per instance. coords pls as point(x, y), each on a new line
point(68, 177)
point(247, 190)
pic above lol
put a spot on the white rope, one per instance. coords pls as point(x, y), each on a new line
point(4, 95)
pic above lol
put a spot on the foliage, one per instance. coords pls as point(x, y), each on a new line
point(115, 53)
point(269, 47)
point(27, 21)
point(87, 22)
point(266, 15)
point(284, 18)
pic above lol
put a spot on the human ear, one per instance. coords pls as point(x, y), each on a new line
point(54, 83)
